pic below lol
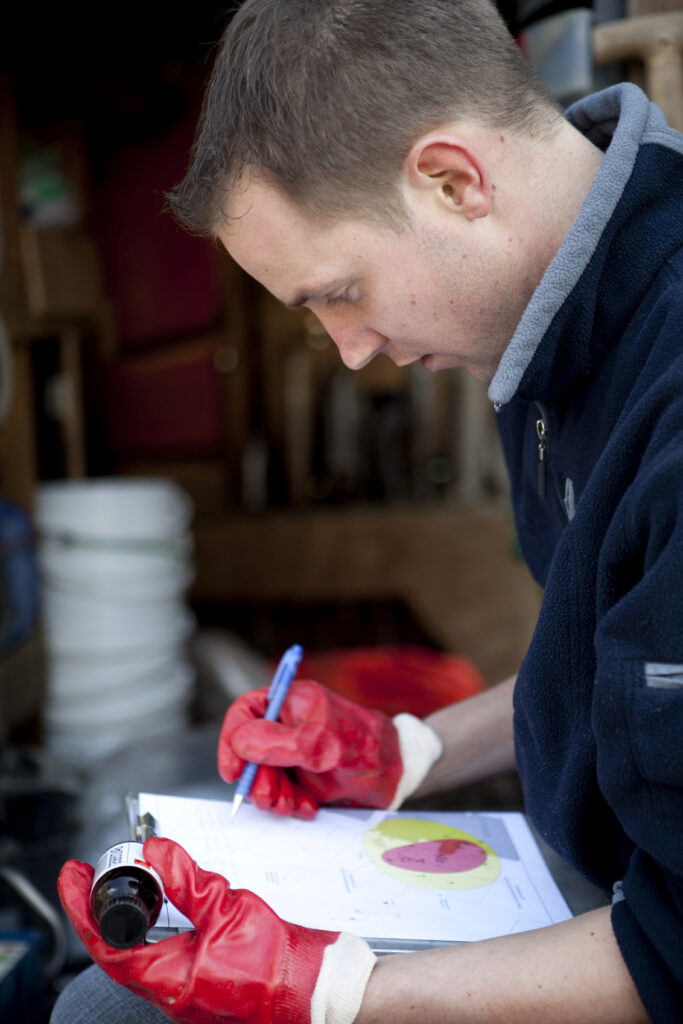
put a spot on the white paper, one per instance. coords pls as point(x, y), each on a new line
point(446, 876)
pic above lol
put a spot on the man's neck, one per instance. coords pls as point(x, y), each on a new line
point(553, 176)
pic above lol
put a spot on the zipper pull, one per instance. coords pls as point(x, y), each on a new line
point(542, 435)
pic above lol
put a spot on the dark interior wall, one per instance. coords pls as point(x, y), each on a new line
point(126, 73)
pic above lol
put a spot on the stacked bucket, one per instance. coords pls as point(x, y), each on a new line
point(115, 562)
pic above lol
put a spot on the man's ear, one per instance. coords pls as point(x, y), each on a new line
point(458, 178)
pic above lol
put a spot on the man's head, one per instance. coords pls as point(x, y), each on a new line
point(391, 164)
point(326, 97)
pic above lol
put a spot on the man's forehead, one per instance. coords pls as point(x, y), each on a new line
point(254, 214)
point(258, 201)
point(279, 246)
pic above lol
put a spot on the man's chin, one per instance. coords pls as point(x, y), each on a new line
point(435, 363)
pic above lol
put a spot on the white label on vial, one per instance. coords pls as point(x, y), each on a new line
point(124, 855)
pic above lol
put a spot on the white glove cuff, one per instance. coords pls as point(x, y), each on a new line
point(339, 990)
point(420, 749)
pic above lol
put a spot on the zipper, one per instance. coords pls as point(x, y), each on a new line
point(542, 435)
point(568, 500)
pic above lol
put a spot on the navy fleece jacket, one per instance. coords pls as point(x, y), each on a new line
point(591, 389)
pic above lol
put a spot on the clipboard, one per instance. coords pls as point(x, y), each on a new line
point(365, 889)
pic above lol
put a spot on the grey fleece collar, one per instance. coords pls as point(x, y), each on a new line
point(621, 118)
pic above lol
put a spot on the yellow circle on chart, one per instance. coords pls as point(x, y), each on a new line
point(431, 855)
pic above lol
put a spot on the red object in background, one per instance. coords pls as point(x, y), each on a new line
point(167, 402)
point(162, 283)
point(164, 396)
point(394, 679)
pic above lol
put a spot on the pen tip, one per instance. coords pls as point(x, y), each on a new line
point(236, 803)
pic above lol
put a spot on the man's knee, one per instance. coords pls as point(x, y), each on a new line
point(93, 996)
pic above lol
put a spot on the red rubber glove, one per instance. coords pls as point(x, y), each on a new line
point(242, 964)
point(339, 752)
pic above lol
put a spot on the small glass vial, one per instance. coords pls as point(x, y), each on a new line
point(126, 895)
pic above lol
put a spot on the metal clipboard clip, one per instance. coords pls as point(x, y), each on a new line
point(140, 826)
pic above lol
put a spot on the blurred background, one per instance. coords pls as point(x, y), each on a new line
point(190, 479)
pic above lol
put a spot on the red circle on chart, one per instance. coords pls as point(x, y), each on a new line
point(436, 856)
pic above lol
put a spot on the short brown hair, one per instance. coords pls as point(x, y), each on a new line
point(326, 98)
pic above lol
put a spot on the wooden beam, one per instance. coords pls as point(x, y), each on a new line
point(17, 435)
point(455, 570)
point(657, 41)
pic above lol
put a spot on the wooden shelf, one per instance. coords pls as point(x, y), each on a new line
point(455, 569)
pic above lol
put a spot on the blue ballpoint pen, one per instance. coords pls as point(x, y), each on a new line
point(284, 674)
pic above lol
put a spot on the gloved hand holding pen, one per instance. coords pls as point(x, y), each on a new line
point(324, 749)
point(242, 964)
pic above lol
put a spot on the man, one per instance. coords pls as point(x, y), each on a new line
point(395, 167)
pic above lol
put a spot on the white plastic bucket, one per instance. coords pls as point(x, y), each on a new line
point(129, 575)
point(78, 677)
point(123, 705)
point(131, 508)
point(86, 748)
point(74, 623)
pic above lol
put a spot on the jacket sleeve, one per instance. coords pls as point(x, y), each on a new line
point(638, 719)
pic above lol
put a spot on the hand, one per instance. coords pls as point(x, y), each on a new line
point(339, 751)
point(242, 964)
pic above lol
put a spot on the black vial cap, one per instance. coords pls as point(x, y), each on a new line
point(124, 923)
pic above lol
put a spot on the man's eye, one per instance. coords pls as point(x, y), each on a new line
point(336, 300)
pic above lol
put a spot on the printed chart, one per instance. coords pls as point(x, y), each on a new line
point(437, 877)
point(431, 855)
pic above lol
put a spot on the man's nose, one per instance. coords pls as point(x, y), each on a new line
point(358, 347)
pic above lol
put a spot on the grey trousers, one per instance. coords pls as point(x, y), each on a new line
point(93, 998)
